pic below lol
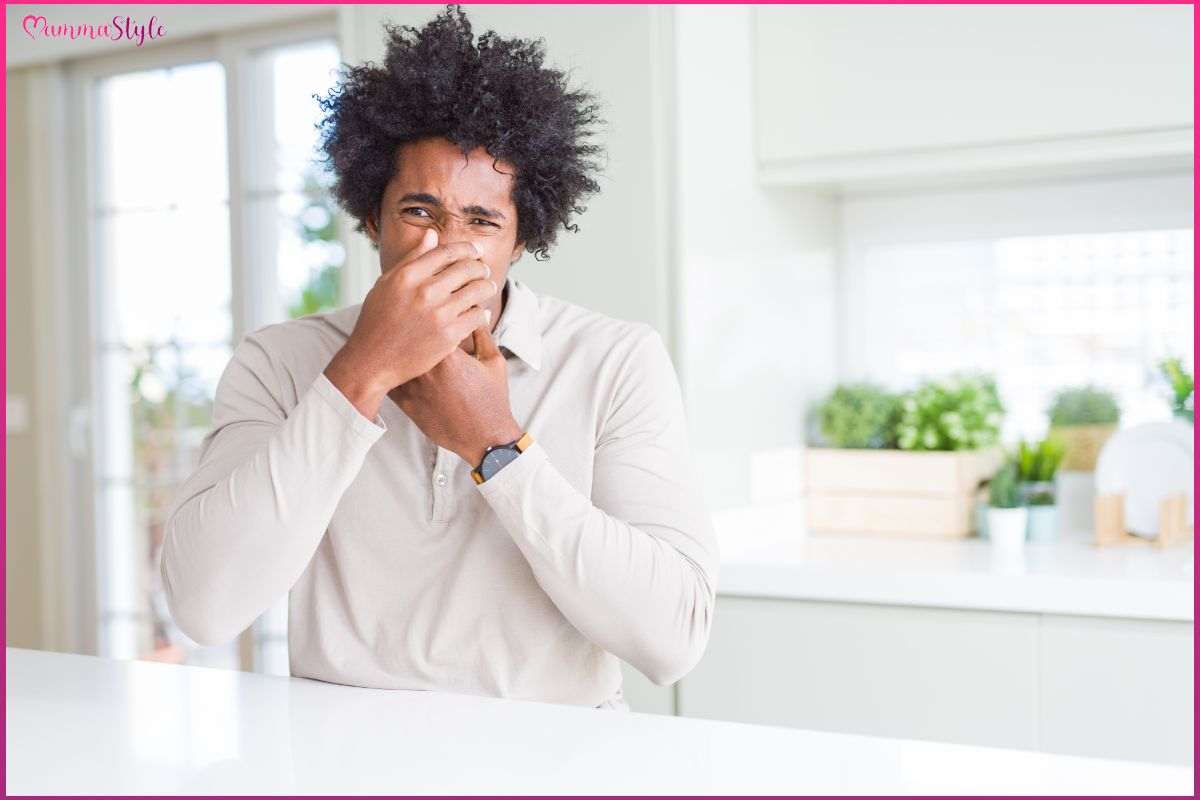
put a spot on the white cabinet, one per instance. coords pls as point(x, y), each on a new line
point(849, 93)
point(887, 671)
point(1115, 688)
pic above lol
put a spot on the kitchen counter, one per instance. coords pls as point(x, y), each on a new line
point(80, 724)
point(765, 552)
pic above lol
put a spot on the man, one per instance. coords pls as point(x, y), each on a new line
point(462, 484)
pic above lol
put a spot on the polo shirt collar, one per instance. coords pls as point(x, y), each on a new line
point(519, 329)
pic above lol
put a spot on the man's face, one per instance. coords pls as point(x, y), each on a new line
point(464, 199)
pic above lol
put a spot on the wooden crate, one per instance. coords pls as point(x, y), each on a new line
point(896, 492)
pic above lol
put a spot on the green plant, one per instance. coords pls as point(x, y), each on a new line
point(960, 412)
point(860, 415)
point(1037, 464)
point(1003, 489)
point(1183, 387)
point(1084, 405)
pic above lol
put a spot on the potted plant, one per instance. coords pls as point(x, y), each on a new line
point(1083, 417)
point(1183, 387)
point(1037, 465)
point(860, 415)
point(908, 464)
point(1006, 516)
point(961, 412)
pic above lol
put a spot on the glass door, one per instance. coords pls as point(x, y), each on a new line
point(211, 216)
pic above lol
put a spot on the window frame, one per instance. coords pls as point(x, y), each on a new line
point(251, 289)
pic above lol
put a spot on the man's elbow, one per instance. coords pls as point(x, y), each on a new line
point(201, 629)
point(675, 658)
point(669, 667)
point(193, 611)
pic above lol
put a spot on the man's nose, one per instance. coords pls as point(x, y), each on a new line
point(455, 229)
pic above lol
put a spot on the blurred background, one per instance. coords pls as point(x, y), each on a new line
point(865, 232)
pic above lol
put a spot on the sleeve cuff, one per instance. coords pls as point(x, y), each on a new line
point(368, 429)
point(515, 473)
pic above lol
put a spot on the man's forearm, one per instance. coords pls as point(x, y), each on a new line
point(254, 512)
point(632, 592)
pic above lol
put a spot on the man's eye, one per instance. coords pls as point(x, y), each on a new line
point(484, 221)
point(413, 208)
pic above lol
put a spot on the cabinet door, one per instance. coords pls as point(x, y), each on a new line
point(1117, 688)
point(841, 81)
point(960, 676)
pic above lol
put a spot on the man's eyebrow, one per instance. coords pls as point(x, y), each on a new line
point(428, 199)
point(421, 197)
point(491, 213)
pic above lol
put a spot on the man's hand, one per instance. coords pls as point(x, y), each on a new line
point(462, 403)
point(414, 316)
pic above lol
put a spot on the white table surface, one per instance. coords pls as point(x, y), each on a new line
point(80, 724)
point(765, 552)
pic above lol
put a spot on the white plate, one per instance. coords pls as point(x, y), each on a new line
point(1146, 464)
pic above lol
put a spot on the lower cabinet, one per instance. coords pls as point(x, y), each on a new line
point(1118, 688)
point(1113, 688)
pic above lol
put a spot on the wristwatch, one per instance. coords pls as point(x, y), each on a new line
point(498, 455)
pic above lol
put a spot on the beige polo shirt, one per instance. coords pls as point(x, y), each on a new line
point(401, 572)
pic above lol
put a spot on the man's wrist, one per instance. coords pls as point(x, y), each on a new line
point(356, 384)
point(504, 435)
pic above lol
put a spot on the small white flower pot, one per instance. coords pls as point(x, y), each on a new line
point(1006, 528)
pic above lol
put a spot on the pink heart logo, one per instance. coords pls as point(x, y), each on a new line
point(36, 20)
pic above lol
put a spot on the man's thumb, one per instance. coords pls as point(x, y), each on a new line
point(485, 345)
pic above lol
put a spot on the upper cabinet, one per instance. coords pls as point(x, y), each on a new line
point(855, 95)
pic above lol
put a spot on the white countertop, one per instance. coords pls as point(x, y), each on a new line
point(79, 724)
point(765, 552)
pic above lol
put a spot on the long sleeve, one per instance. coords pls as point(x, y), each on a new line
point(633, 567)
point(248, 520)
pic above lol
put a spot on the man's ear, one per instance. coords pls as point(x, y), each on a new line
point(372, 228)
point(516, 253)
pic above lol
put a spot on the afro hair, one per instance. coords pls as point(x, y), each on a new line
point(492, 93)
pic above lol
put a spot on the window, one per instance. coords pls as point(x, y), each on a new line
point(190, 248)
point(1041, 312)
point(1045, 285)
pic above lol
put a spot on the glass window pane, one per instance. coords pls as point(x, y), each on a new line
point(169, 274)
point(166, 141)
point(292, 215)
point(164, 316)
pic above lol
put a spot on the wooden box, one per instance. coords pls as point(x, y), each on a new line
point(896, 492)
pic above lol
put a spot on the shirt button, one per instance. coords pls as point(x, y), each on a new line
point(440, 480)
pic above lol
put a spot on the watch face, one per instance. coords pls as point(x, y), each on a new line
point(496, 459)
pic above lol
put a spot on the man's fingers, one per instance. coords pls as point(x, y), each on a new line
point(429, 240)
point(428, 264)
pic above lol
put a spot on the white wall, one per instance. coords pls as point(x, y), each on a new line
point(757, 272)
point(23, 551)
